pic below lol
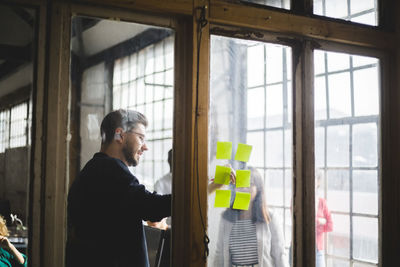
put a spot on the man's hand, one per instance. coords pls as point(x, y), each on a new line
point(160, 225)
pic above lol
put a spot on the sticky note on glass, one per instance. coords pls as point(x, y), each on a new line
point(242, 201)
point(243, 152)
point(224, 150)
point(222, 175)
point(243, 178)
point(222, 198)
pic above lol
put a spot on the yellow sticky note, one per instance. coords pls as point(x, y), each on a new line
point(243, 152)
point(222, 198)
point(243, 178)
point(222, 175)
point(242, 201)
point(224, 150)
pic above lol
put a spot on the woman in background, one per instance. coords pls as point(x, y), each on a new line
point(251, 237)
point(323, 221)
point(9, 255)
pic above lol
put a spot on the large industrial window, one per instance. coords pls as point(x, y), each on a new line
point(346, 158)
point(361, 11)
point(15, 126)
point(143, 81)
point(250, 103)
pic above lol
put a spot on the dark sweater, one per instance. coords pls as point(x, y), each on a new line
point(106, 206)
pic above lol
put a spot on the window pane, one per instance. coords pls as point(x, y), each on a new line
point(274, 3)
point(338, 239)
point(352, 10)
point(274, 102)
point(258, 99)
point(255, 118)
point(365, 145)
point(365, 242)
point(18, 125)
point(338, 190)
point(255, 63)
point(338, 146)
point(339, 95)
point(365, 192)
point(4, 129)
point(366, 93)
point(320, 97)
point(347, 187)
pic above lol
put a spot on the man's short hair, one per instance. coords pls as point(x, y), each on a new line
point(121, 118)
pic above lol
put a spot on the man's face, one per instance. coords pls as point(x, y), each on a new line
point(134, 145)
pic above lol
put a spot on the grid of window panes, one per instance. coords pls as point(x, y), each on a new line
point(19, 125)
point(346, 152)
point(143, 81)
point(4, 129)
point(361, 11)
point(285, 4)
point(269, 125)
point(250, 102)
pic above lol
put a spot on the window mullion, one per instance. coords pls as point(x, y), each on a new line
point(303, 140)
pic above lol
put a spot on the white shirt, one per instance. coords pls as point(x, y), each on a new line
point(164, 184)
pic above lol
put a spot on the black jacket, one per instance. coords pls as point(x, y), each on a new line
point(106, 207)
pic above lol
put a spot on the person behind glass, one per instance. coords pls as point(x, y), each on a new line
point(323, 221)
point(251, 237)
point(9, 255)
point(164, 186)
point(107, 204)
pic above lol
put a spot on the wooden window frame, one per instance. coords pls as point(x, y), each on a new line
point(50, 165)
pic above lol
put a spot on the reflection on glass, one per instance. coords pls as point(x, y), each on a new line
point(361, 11)
point(346, 153)
point(17, 30)
point(250, 103)
point(122, 65)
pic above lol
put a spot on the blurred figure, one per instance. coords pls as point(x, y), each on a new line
point(323, 221)
point(9, 255)
point(163, 186)
point(251, 237)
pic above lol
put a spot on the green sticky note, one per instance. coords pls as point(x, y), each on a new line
point(243, 152)
point(222, 175)
point(222, 198)
point(224, 150)
point(243, 178)
point(242, 201)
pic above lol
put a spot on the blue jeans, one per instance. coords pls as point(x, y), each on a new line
point(320, 258)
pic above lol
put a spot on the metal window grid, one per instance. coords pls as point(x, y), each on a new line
point(4, 129)
point(349, 121)
point(15, 126)
point(149, 89)
point(19, 125)
point(283, 129)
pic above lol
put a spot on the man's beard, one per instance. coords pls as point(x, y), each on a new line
point(128, 154)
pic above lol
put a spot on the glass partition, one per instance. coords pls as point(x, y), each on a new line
point(17, 28)
point(346, 158)
point(123, 65)
point(250, 108)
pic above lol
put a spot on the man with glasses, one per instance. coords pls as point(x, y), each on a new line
point(106, 203)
